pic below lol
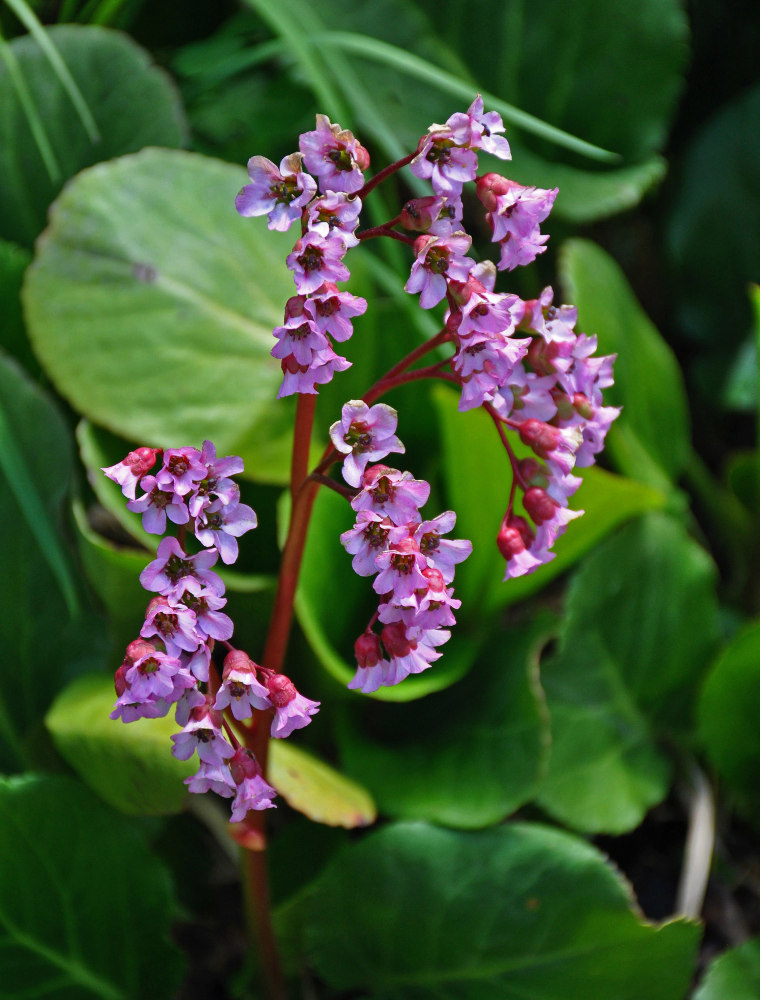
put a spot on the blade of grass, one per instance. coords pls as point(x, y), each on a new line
point(24, 489)
point(280, 19)
point(31, 114)
point(29, 19)
point(421, 69)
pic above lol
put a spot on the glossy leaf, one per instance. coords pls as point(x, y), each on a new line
point(654, 424)
point(133, 102)
point(85, 908)
point(317, 790)
point(475, 769)
point(151, 304)
point(728, 713)
point(639, 631)
point(735, 974)
point(515, 911)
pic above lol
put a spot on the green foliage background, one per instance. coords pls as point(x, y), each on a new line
point(606, 705)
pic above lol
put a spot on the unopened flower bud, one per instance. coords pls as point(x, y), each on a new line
point(395, 640)
point(489, 187)
point(541, 356)
point(533, 472)
point(237, 660)
point(137, 649)
point(514, 536)
point(368, 650)
point(120, 679)
point(142, 460)
point(281, 689)
point(361, 156)
point(434, 578)
point(243, 765)
point(582, 406)
point(539, 505)
point(541, 437)
point(419, 214)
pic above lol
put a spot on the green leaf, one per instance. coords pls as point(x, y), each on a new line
point(654, 423)
point(130, 766)
point(476, 769)
point(41, 642)
point(316, 789)
point(151, 304)
point(19, 469)
point(639, 631)
point(85, 909)
point(615, 72)
point(133, 102)
point(735, 974)
point(728, 713)
point(585, 195)
point(516, 911)
point(477, 484)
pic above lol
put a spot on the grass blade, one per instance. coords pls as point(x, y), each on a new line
point(29, 19)
point(31, 114)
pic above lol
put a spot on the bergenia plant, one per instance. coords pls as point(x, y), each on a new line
point(522, 362)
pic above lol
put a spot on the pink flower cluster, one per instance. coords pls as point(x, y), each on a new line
point(170, 664)
point(328, 209)
point(414, 565)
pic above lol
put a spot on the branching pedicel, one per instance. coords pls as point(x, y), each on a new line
point(520, 361)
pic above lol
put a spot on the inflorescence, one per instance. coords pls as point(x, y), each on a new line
point(521, 361)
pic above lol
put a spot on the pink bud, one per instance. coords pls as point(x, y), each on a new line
point(142, 460)
point(419, 214)
point(361, 156)
point(539, 505)
point(119, 679)
point(368, 650)
point(395, 640)
point(434, 578)
point(243, 765)
point(541, 437)
point(533, 472)
point(281, 690)
point(491, 186)
point(137, 649)
point(237, 660)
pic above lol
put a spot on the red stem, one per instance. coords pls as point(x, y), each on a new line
point(386, 172)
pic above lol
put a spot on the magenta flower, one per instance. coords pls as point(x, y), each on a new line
point(221, 526)
point(477, 130)
point(442, 554)
point(391, 494)
point(292, 710)
point(241, 692)
point(400, 570)
point(316, 259)
point(332, 311)
point(447, 166)
point(172, 567)
point(252, 792)
point(212, 778)
point(304, 378)
point(364, 434)
point(181, 471)
point(174, 624)
point(366, 540)
point(440, 259)
point(335, 212)
point(335, 156)
point(203, 733)
point(156, 505)
point(281, 194)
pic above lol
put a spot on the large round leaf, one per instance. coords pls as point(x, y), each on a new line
point(151, 305)
point(132, 101)
point(414, 912)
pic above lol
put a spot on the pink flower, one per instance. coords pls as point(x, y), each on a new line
point(304, 377)
point(335, 212)
point(364, 434)
point(316, 259)
point(366, 540)
point(241, 692)
point(447, 166)
point(281, 194)
point(477, 130)
point(292, 710)
point(335, 156)
point(332, 311)
point(168, 573)
point(156, 505)
point(221, 526)
point(441, 553)
point(253, 792)
point(439, 260)
point(203, 733)
point(391, 494)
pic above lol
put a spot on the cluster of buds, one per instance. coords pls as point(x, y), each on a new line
point(171, 663)
point(328, 209)
point(413, 564)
